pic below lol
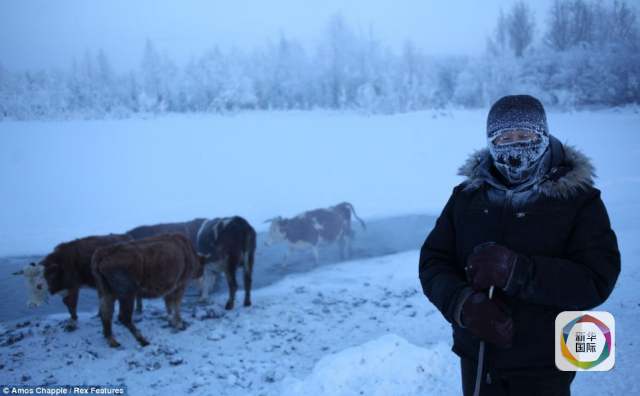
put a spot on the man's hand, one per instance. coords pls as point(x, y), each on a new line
point(485, 319)
point(490, 265)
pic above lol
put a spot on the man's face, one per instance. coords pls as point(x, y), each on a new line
point(516, 136)
point(516, 153)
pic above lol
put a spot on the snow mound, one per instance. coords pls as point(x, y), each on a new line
point(388, 365)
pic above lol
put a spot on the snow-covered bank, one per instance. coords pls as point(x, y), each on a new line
point(246, 351)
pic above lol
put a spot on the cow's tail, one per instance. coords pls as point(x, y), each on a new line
point(101, 282)
point(250, 251)
point(353, 211)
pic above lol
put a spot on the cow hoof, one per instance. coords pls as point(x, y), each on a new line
point(247, 303)
point(179, 326)
point(70, 326)
point(113, 343)
point(228, 306)
point(143, 342)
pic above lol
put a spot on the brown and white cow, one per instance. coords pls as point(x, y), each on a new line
point(152, 267)
point(228, 243)
point(310, 229)
point(65, 270)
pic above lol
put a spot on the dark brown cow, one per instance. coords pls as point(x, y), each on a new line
point(228, 243)
point(188, 229)
point(66, 270)
point(152, 267)
point(310, 229)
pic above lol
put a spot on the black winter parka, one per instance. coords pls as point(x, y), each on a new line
point(570, 258)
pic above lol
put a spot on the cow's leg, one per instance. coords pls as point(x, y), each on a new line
point(71, 301)
point(138, 304)
point(205, 282)
point(349, 243)
point(174, 300)
point(288, 253)
point(230, 273)
point(345, 247)
point(247, 272)
point(137, 314)
point(106, 314)
point(99, 300)
point(316, 254)
point(341, 247)
point(168, 306)
point(126, 316)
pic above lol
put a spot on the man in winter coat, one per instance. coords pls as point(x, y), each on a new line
point(529, 222)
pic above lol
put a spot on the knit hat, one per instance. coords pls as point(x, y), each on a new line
point(517, 161)
point(522, 112)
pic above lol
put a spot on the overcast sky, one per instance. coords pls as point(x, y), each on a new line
point(41, 33)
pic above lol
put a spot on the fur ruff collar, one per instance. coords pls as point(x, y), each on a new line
point(570, 173)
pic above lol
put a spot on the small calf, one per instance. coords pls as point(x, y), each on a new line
point(152, 267)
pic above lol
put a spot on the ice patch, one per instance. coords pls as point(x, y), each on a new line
point(388, 365)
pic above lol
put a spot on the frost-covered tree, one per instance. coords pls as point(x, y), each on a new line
point(520, 27)
point(281, 75)
point(336, 58)
point(558, 35)
point(498, 44)
point(158, 75)
point(588, 55)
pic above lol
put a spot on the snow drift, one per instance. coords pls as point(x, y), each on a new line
point(389, 365)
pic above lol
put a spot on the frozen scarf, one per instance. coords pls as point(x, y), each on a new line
point(518, 161)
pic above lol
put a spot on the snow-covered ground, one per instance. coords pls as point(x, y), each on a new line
point(265, 349)
point(343, 328)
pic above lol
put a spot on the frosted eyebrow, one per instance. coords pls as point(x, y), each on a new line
point(514, 136)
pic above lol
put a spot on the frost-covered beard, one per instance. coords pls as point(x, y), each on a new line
point(518, 161)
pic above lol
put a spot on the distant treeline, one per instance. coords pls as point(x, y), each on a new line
point(586, 54)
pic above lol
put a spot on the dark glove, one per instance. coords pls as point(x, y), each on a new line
point(489, 265)
point(485, 319)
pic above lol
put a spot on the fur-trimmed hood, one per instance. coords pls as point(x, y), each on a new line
point(570, 172)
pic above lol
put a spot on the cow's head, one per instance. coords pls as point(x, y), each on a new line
point(275, 233)
point(36, 284)
point(55, 275)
